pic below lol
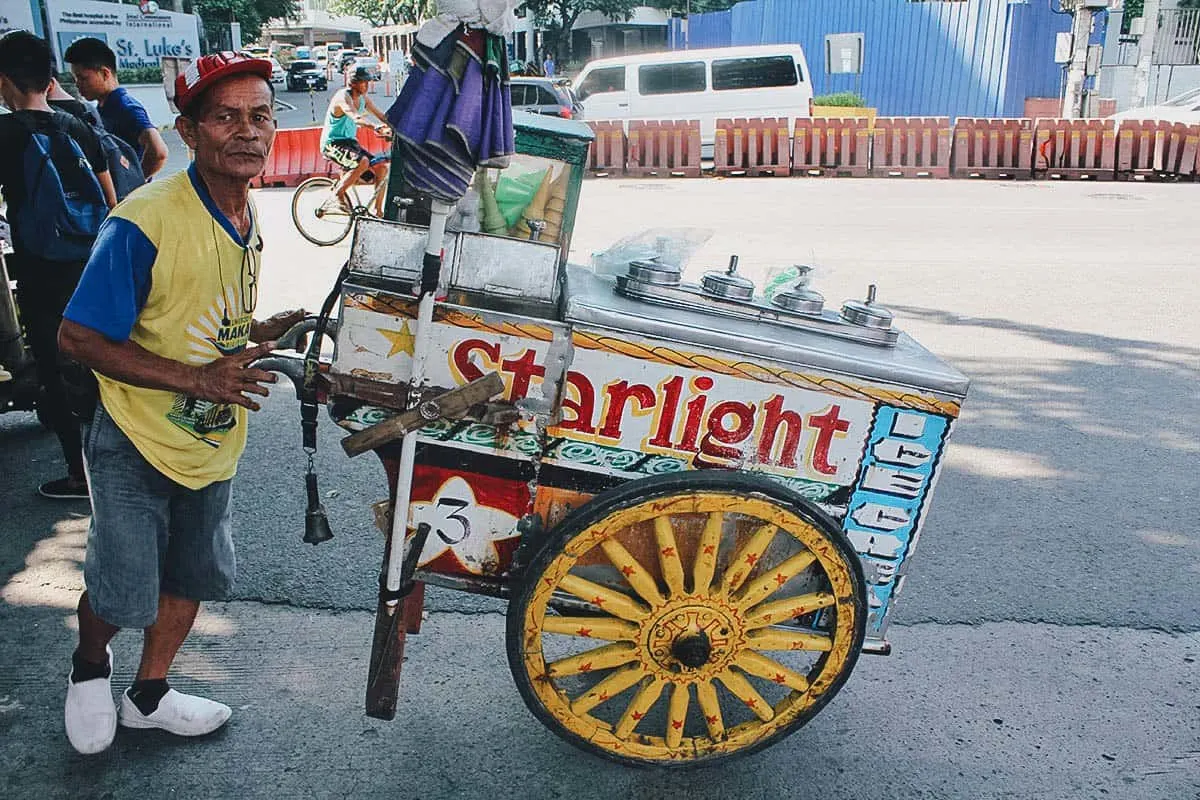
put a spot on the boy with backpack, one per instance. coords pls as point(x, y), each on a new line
point(55, 181)
point(94, 66)
point(124, 167)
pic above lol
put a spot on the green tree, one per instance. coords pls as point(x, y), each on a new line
point(385, 12)
point(695, 6)
point(1135, 8)
point(557, 17)
point(252, 14)
point(376, 12)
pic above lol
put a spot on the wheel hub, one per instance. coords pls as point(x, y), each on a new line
point(692, 638)
point(692, 649)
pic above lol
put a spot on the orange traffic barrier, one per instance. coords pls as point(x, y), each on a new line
point(753, 147)
point(831, 147)
point(295, 156)
point(1149, 148)
point(664, 149)
point(911, 147)
point(1075, 148)
point(607, 153)
point(374, 142)
point(993, 148)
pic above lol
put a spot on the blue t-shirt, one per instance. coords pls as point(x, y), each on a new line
point(124, 116)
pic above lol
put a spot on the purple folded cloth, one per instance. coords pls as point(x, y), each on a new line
point(454, 114)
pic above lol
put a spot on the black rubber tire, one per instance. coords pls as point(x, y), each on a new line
point(637, 492)
point(320, 187)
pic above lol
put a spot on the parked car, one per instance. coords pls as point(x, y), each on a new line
point(305, 74)
point(1184, 108)
point(760, 81)
point(545, 96)
point(368, 63)
point(277, 73)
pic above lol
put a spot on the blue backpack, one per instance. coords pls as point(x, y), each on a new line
point(63, 206)
point(124, 167)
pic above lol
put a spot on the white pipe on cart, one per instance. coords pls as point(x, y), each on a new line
point(423, 335)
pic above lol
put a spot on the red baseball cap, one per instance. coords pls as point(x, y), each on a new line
point(208, 70)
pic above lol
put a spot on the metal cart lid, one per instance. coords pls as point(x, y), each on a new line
point(523, 121)
point(592, 301)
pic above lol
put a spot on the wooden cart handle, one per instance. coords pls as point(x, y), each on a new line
point(453, 404)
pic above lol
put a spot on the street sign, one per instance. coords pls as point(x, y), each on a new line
point(844, 54)
point(137, 39)
point(18, 16)
point(1062, 47)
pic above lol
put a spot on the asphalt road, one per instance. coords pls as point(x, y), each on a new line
point(1046, 644)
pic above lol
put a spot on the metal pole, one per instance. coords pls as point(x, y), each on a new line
point(1081, 31)
point(423, 335)
point(1141, 75)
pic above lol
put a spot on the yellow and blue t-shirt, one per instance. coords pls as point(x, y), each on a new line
point(172, 274)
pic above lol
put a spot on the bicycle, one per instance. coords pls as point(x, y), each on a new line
point(320, 216)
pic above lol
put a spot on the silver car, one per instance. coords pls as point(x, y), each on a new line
point(547, 96)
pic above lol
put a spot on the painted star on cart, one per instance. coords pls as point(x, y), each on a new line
point(461, 525)
point(402, 340)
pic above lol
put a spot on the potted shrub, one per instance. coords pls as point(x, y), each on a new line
point(843, 105)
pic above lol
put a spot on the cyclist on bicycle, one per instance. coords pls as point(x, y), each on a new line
point(339, 143)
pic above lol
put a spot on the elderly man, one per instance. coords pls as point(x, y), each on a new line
point(163, 315)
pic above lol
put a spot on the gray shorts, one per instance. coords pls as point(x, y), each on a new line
point(149, 534)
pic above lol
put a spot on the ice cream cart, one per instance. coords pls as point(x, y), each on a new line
point(699, 502)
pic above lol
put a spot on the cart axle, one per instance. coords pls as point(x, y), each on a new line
point(693, 650)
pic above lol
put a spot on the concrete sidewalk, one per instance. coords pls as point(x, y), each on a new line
point(1001, 710)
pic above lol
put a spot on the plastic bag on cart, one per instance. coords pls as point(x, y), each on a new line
point(674, 246)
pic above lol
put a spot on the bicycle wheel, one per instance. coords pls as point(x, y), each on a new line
point(318, 215)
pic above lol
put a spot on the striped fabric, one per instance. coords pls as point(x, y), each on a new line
point(454, 113)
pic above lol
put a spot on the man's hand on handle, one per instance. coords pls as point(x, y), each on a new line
point(275, 326)
point(230, 378)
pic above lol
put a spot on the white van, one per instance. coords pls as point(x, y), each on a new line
point(706, 85)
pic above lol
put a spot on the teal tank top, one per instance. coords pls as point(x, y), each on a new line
point(343, 127)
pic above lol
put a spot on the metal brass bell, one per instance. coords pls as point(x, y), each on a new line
point(316, 524)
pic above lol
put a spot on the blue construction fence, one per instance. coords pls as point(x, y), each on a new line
point(955, 58)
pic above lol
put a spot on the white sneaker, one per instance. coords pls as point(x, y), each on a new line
point(177, 713)
point(91, 714)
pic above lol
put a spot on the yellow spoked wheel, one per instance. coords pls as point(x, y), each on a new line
point(686, 618)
